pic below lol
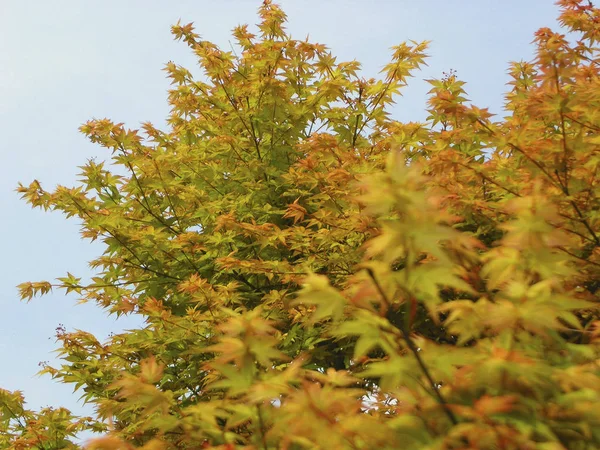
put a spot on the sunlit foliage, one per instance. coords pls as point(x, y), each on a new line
point(314, 274)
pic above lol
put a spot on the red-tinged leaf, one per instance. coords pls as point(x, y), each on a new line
point(488, 406)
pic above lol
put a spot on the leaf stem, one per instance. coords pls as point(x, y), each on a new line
point(415, 351)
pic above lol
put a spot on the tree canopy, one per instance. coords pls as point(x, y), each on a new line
point(315, 274)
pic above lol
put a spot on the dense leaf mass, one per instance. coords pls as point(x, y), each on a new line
point(314, 274)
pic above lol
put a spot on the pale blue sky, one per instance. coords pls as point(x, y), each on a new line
point(66, 61)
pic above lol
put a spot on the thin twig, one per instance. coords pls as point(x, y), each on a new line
point(415, 351)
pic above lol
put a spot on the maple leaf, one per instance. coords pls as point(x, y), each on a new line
point(311, 272)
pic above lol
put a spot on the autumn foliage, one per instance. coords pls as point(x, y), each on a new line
point(315, 274)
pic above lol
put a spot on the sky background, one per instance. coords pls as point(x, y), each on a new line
point(64, 62)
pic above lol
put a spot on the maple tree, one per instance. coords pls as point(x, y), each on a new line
point(314, 274)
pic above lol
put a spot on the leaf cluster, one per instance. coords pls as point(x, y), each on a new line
point(314, 274)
